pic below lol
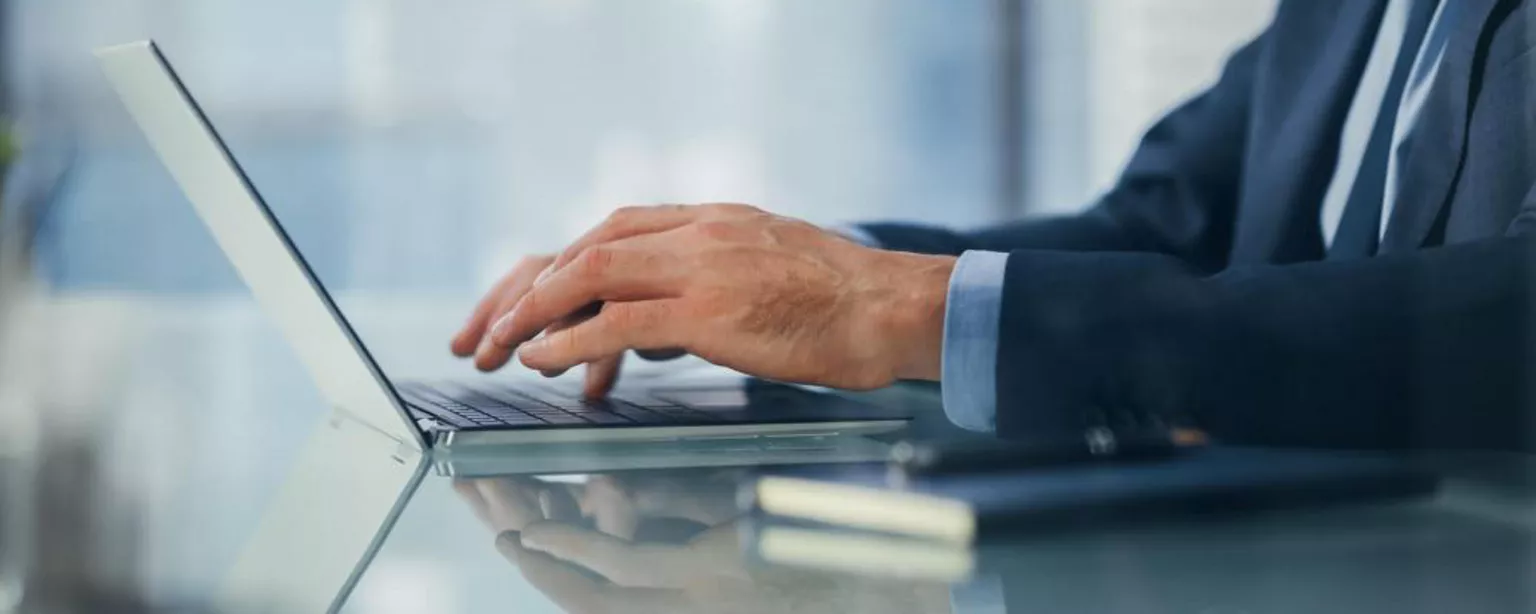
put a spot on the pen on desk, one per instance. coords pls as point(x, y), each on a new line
point(1097, 445)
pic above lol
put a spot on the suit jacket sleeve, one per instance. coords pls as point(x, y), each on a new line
point(1424, 348)
point(1176, 196)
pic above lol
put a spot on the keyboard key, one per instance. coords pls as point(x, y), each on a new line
point(506, 412)
point(520, 420)
point(509, 397)
point(512, 416)
point(480, 401)
point(632, 397)
point(597, 405)
point(488, 404)
point(416, 396)
point(549, 396)
point(435, 412)
point(633, 412)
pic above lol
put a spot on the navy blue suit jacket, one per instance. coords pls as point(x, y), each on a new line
point(1195, 289)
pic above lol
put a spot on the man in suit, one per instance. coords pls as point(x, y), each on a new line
point(1332, 245)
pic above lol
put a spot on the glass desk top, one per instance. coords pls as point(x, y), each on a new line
point(183, 463)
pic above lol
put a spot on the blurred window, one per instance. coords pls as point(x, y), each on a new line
point(1104, 70)
point(412, 145)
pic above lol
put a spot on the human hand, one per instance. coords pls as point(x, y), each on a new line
point(512, 503)
point(642, 573)
point(613, 567)
point(616, 506)
point(767, 295)
point(707, 574)
point(560, 561)
point(473, 338)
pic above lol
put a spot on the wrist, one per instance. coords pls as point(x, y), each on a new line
point(913, 321)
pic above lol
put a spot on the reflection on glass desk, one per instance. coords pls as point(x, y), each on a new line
point(369, 536)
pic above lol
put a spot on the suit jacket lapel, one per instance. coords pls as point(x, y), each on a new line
point(1434, 157)
point(1323, 55)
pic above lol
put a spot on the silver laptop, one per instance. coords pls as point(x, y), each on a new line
point(432, 415)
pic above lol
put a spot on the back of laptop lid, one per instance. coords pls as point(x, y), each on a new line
point(252, 239)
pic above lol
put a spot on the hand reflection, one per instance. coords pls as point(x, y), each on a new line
point(505, 504)
point(658, 544)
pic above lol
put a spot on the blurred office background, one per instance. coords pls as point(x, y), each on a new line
point(416, 148)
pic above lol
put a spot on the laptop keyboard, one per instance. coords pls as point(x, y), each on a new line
point(488, 405)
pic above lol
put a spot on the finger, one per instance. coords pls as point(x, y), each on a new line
point(470, 493)
point(706, 500)
point(611, 507)
point(634, 269)
point(583, 315)
point(602, 374)
point(470, 335)
point(557, 503)
point(624, 563)
point(644, 325)
point(468, 338)
point(719, 550)
point(570, 589)
point(575, 592)
point(627, 222)
point(509, 505)
point(489, 357)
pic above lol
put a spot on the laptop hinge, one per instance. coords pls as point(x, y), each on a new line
point(407, 453)
point(404, 451)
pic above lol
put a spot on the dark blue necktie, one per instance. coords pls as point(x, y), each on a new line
point(1360, 225)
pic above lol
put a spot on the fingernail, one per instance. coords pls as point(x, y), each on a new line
point(533, 347)
point(531, 543)
point(503, 328)
point(481, 354)
point(508, 538)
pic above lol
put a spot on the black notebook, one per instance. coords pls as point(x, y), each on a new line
point(1200, 483)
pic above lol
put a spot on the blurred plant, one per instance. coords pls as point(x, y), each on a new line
point(15, 231)
point(17, 430)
